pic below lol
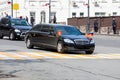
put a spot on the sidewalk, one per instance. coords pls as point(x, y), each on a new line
point(106, 34)
point(108, 31)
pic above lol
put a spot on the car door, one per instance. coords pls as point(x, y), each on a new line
point(52, 37)
point(43, 35)
point(1, 28)
point(34, 34)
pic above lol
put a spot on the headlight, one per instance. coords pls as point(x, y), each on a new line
point(92, 41)
point(17, 30)
point(68, 41)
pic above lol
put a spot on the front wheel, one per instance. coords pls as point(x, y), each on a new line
point(28, 44)
point(12, 36)
point(60, 47)
point(1, 36)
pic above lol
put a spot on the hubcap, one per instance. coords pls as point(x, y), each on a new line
point(28, 43)
point(59, 47)
point(11, 36)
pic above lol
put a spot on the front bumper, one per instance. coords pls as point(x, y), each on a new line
point(79, 47)
point(20, 34)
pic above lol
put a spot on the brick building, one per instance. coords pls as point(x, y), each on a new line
point(104, 23)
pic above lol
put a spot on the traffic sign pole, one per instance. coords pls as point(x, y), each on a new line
point(88, 21)
point(16, 7)
point(12, 8)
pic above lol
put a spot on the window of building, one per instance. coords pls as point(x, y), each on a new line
point(102, 13)
point(81, 14)
point(99, 14)
point(115, 1)
point(74, 14)
point(74, 4)
point(114, 13)
point(43, 15)
point(96, 4)
point(32, 15)
point(53, 14)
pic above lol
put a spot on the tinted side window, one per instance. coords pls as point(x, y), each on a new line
point(45, 28)
point(37, 28)
point(52, 30)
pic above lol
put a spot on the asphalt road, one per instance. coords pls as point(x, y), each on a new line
point(19, 63)
point(107, 44)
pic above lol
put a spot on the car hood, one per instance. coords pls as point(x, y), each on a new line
point(74, 36)
point(22, 27)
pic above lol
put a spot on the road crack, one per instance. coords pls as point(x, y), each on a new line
point(87, 71)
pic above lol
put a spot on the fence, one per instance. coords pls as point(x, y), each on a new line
point(104, 24)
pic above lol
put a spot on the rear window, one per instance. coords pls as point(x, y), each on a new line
point(19, 22)
point(68, 30)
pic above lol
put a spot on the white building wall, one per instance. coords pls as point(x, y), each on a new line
point(5, 8)
point(64, 8)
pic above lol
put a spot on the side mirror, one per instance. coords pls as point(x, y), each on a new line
point(91, 34)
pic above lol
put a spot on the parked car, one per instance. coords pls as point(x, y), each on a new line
point(59, 37)
point(13, 28)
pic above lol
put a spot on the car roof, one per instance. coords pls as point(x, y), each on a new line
point(17, 19)
point(57, 25)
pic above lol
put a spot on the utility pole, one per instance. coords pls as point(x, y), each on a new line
point(69, 8)
point(88, 20)
point(49, 11)
point(11, 8)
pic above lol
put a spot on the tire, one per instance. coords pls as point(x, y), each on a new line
point(1, 36)
point(19, 38)
point(28, 44)
point(89, 52)
point(12, 36)
point(60, 47)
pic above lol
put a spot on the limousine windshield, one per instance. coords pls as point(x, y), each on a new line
point(68, 30)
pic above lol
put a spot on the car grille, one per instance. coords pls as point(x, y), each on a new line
point(81, 41)
point(24, 30)
point(23, 33)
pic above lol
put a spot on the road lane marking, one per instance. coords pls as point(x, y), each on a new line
point(39, 54)
point(1, 58)
point(54, 55)
point(23, 56)
point(12, 56)
point(109, 56)
point(85, 56)
point(30, 55)
point(5, 57)
point(73, 56)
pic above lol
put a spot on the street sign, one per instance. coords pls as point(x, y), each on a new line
point(16, 6)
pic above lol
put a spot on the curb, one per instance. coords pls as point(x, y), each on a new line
point(108, 34)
